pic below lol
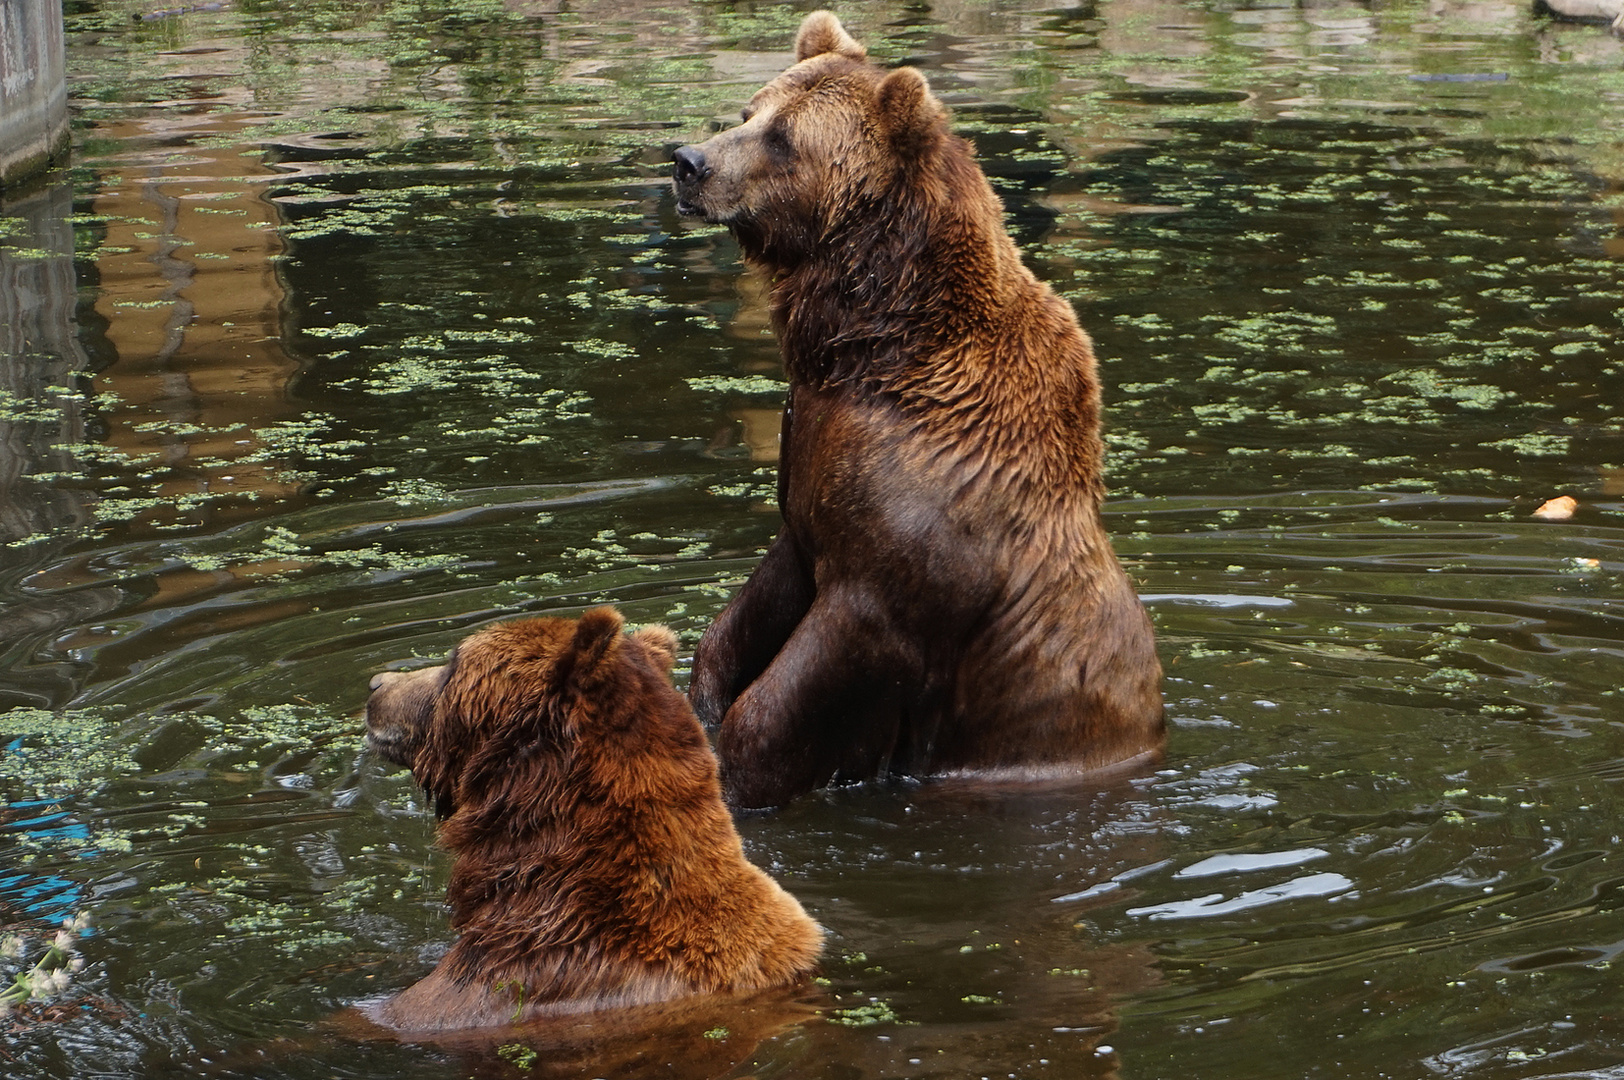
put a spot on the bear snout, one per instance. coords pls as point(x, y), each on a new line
point(689, 164)
point(688, 171)
point(398, 710)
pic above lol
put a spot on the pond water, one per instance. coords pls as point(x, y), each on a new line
point(356, 326)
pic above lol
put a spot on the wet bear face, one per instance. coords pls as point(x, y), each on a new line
point(826, 136)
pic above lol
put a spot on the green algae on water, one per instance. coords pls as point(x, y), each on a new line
point(46, 754)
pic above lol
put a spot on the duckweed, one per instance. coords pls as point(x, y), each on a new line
point(46, 754)
point(868, 1015)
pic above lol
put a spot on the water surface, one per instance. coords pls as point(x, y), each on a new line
point(356, 327)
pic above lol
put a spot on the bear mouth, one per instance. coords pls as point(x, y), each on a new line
point(392, 746)
point(692, 208)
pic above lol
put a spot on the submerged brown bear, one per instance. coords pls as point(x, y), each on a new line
point(942, 596)
point(595, 864)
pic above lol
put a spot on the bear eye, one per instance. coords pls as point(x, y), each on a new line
point(777, 139)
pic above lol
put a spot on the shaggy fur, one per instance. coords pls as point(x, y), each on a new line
point(943, 597)
point(595, 864)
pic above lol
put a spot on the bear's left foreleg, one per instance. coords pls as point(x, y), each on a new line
point(829, 706)
point(750, 631)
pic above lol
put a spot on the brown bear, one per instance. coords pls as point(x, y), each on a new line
point(942, 596)
point(594, 862)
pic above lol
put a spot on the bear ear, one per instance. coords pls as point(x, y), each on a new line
point(822, 33)
point(661, 644)
point(908, 112)
point(596, 636)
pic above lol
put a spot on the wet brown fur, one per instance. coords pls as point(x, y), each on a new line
point(595, 864)
point(943, 597)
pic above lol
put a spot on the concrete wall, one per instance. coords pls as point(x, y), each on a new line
point(33, 88)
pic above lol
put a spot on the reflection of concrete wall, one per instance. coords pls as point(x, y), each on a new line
point(194, 312)
point(39, 351)
point(33, 88)
point(41, 415)
point(190, 367)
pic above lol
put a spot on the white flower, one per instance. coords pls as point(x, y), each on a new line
point(11, 945)
point(64, 941)
point(59, 980)
point(77, 964)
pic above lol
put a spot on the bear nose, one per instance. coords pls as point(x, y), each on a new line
point(690, 164)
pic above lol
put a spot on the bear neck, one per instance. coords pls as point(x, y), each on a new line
point(511, 875)
point(527, 913)
point(529, 898)
point(909, 272)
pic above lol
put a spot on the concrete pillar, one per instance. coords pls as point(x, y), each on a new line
point(33, 89)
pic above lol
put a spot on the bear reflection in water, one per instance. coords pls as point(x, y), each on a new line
point(942, 597)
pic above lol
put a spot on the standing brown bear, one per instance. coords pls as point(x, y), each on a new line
point(942, 597)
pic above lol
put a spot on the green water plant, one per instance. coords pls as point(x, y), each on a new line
point(877, 1011)
point(519, 1055)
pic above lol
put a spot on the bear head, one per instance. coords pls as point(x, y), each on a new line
point(825, 140)
point(514, 697)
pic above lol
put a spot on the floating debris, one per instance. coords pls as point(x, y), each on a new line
point(1560, 508)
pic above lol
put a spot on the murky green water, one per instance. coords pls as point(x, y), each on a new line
point(357, 326)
